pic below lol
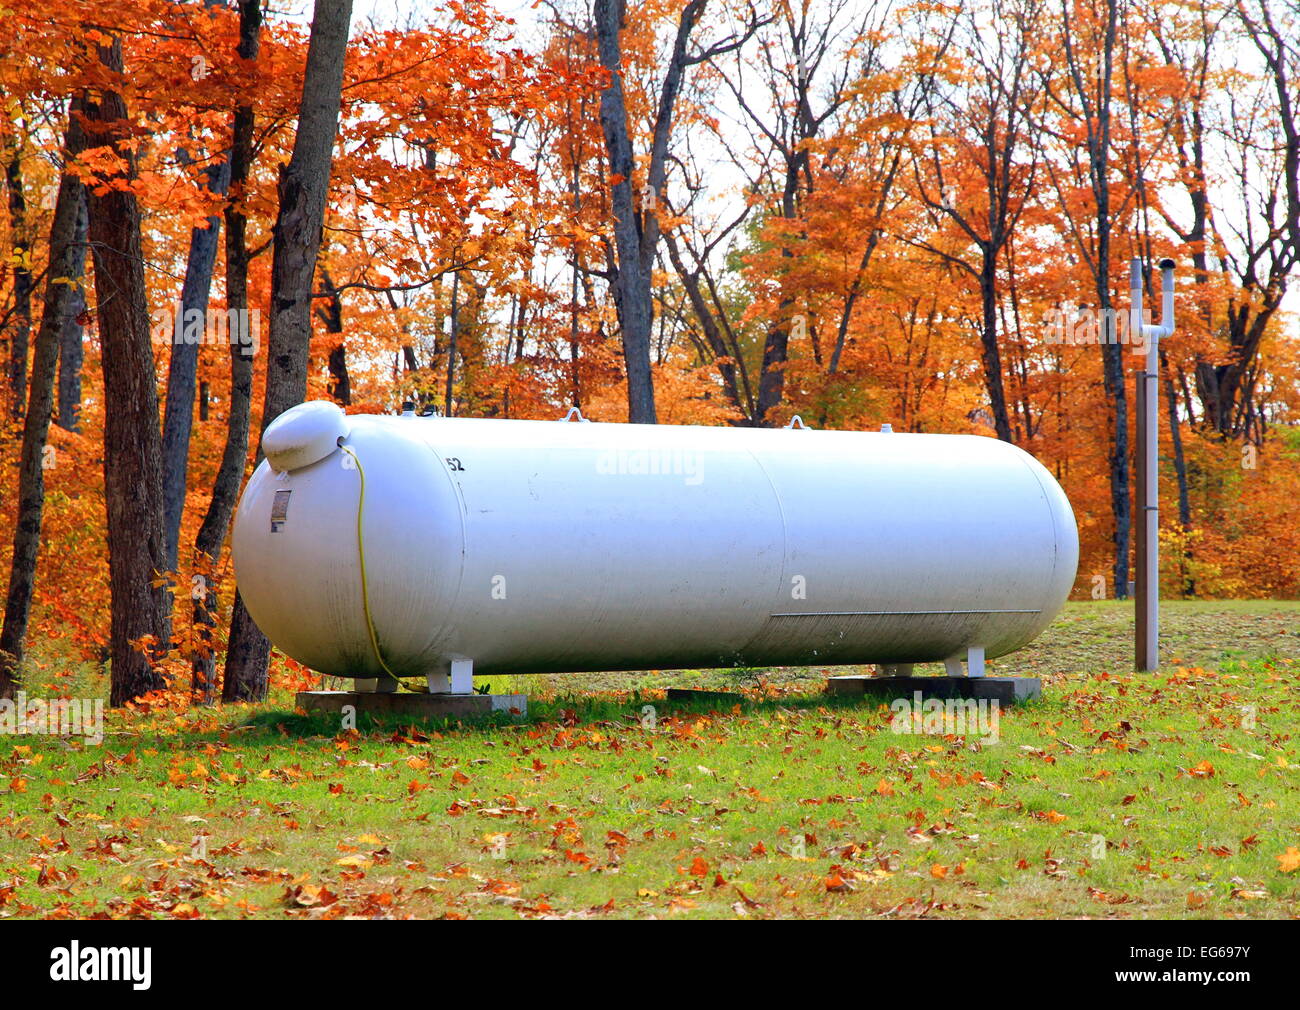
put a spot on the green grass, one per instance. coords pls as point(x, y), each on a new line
point(1116, 795)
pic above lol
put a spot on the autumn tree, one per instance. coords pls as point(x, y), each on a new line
point(132, 444)
point(1261, 124)
point(225, 490)
point(18, 319)
point(187, 336)
point(828, 111)
point(1154, 137)
point(71, 352)
point(793, 119)
point(63, 275)
point(304, 183)
point(636, 228)
point(977, 171)
point(1083, 95)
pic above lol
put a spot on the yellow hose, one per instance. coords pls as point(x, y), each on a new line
point(361, 551)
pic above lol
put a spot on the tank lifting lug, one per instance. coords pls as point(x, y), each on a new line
point(575, 414)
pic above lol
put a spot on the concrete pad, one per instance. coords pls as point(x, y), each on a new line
point(1003, 690)
point(410, 705)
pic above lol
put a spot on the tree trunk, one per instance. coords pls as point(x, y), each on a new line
point(304, 184)
point(776, 354)
point(452, 341)
point(731, 369)
point(66, 259)
point(331, 314)
point(776, 342)
point(1116, 394)
point(22, 311)
point(636, 237)
point(178, 417)
point(248, 654)
point(340, 387)
point(225, 490)
point(1180, 471)
point(1225, 388)
point(632, 295)
point(132, 445)
point(71, 352)
point(991, 355)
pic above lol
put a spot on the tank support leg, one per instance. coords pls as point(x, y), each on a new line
point(952, 667)
point(377, 685)
point(975, 661)
point(894, 669)
point(455, 678)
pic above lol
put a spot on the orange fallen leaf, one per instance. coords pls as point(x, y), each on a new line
point(312, 895)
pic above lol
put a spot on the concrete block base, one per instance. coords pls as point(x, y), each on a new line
point(1003, 690)
point(410, 705)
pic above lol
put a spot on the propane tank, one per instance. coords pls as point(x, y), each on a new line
point(372, 546)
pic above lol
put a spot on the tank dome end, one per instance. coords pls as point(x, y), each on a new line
point(304, 434)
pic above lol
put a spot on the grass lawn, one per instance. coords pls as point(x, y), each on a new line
point(1116, 795)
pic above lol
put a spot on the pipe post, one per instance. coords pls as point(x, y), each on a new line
point(1147, 605)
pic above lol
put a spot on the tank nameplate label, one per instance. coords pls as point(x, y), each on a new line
point(280, 510)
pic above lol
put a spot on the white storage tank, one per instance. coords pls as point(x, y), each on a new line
point(498, 546)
